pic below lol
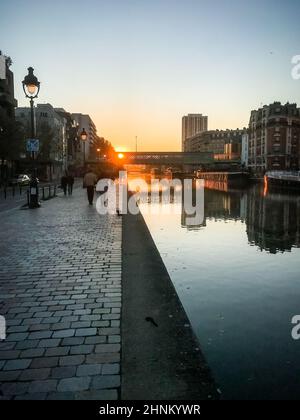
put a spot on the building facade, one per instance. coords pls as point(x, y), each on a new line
point(245, 150)
point(84, 121)
point(8, 129)
point(8, 102)
point(224, 144)
point(274, 138)
point(51, 129)
point(192, 124)
point(73, 138)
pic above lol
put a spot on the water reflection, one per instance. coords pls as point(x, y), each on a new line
point(239, 300)
point(219, 205)
point(272, 219)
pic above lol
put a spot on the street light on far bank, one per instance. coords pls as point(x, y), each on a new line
point(83, 136)
point(31, 87)
point(99, 151)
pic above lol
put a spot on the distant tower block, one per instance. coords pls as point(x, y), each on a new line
point(193, 124)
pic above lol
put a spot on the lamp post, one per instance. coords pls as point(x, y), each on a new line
point(99, 151)
point(83, 137)
point(31, 87)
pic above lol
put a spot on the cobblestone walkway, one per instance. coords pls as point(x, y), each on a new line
point(60, 292)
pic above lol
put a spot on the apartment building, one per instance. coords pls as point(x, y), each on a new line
point(274, 138)
point(192, 124)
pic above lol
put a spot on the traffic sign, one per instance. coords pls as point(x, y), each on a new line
point(32, 145)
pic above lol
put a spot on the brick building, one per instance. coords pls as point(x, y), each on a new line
point(274, 138)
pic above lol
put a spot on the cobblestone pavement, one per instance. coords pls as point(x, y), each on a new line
point(60, 292)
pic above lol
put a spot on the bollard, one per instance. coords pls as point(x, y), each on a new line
point(34, 192)
point(43, 192)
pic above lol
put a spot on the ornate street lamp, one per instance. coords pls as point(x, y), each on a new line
point(99, 151)
point(31, 87)
point(83, 137)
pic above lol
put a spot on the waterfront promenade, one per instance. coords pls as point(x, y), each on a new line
point(61, 295)
point(60, 270)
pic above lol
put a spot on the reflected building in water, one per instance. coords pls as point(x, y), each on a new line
point(219, 205)
point(272, 220)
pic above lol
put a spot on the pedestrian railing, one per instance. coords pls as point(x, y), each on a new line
point(16, 190)
point(45, 191)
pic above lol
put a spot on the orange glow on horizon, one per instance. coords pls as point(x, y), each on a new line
point(120, 156)
point(120, 149)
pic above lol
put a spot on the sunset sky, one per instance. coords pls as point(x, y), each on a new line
point(138, 66)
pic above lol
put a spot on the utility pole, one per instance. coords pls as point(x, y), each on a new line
point(136, 143)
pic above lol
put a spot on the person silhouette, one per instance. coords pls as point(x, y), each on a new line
point(89, 181)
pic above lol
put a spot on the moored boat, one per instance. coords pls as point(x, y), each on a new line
point(283, 179)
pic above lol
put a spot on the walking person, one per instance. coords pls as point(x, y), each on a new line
point(70, 182)
point(89, 182)
point(64, 183)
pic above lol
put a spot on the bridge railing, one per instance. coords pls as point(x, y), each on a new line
point(183, 158)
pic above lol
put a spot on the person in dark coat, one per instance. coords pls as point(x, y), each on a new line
point(64, 183)
point(70, 182)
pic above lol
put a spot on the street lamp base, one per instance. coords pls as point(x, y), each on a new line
point(34, 194)
point(33, 205)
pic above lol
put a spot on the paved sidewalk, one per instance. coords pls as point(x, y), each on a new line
point(60, 292)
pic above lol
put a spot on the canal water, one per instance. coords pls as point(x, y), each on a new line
point(238, 277)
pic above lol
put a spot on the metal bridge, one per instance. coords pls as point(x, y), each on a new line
point(166, 158)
